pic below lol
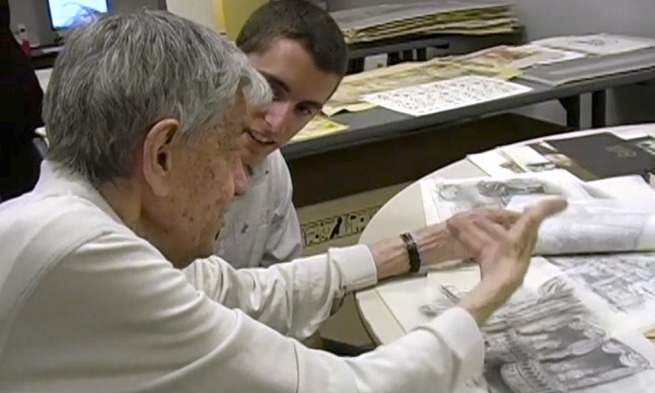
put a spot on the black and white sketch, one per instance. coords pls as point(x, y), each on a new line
point(425, 99)
point(625, 281)
point(594, 225)
point(548, 342)
point(451, 197)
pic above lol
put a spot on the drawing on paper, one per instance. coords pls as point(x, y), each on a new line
point(625, 281)
point(593, 225)
point(547, 341)
point(487, 193)
point(445, 95)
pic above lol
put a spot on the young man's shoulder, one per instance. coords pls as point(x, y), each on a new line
point(277, 164)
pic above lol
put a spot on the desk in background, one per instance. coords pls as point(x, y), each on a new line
point(379, 123)
point(441, 137)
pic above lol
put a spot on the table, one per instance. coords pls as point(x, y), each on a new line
point(381, 124)
point(402, 213)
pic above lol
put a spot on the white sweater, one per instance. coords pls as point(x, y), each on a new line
point(88, 306)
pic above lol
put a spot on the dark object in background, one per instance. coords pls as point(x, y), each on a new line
point(604, 155)
point(20, 114)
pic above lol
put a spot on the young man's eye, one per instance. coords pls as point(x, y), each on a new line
point(306, 111)
point(278, 92)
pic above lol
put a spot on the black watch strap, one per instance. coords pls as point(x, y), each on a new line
point(412, 252)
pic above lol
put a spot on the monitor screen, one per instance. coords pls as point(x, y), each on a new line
point(63, 13)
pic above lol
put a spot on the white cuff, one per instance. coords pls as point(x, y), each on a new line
point(459, 330)
point(356, 265)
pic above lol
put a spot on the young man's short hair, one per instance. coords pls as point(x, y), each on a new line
point(303, 22)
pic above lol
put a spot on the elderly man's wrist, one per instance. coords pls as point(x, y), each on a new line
point(435, 244)
point(390, 258)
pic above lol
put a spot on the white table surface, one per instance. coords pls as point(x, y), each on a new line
point(404, 212)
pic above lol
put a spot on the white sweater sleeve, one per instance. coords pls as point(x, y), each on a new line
point(114, 316)
point(293, 298)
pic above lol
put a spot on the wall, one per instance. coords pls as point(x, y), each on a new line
point(631, 17)
point(34, 15)
point(200, 11)
point(559, 17)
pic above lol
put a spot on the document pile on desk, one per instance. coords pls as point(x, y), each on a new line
point(589, 157)
point(351, 94)
point(577, 323)
point(382, 21)
point(604, 55)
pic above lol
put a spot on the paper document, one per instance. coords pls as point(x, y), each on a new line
point(556, 334)
point(624, 283)
point(590, 224)
point(593, 225)
point(446, 95)
point(597, 44)
point(444, 198)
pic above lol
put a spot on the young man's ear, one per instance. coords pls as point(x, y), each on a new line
point(158, 157)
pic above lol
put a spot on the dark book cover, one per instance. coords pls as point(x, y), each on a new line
point(605, 155)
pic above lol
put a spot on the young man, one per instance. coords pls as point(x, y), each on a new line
point(301, 51)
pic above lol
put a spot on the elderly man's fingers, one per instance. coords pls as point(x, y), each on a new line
point(506, 218)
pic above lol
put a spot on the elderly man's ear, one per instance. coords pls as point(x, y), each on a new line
point(159, 153)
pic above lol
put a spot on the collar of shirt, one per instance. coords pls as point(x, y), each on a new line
point(258, 172)
point(59, 181)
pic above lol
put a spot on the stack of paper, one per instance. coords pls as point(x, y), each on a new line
point(450, 16)
point(589, 157)
point(605, 55)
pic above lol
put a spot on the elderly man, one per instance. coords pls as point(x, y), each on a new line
point(144, 112)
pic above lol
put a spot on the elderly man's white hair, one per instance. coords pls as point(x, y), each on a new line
point(120, 74)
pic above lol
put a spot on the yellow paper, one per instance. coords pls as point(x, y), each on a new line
point(318, 127)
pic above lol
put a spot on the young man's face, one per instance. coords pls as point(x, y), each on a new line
point(300, 89)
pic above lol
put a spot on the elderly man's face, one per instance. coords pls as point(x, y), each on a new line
point(205, 174)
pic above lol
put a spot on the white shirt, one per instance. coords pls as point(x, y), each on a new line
point(261, 226)
point(88, 306)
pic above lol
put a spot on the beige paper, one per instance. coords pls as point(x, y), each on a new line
point(349, 95)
